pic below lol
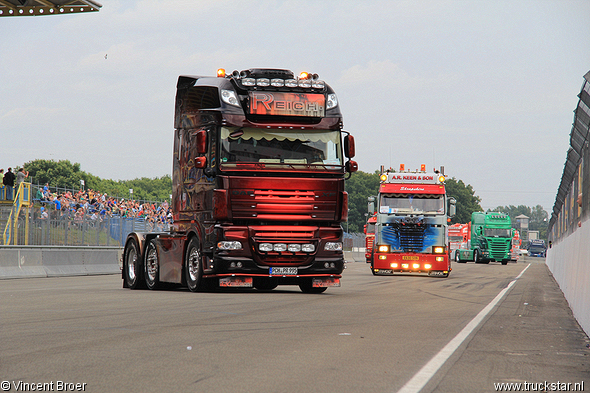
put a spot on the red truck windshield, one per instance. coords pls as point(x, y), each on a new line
point(279, 147)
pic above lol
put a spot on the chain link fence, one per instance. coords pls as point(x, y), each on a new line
point(67, 231)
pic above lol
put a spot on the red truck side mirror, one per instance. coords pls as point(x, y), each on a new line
point(349, 146)
point(201, 142)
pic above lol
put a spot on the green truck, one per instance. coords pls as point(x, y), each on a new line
point(491, 236)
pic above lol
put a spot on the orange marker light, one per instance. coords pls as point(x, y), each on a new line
point(423, 167)
point(304, 75)
point(221, 73)
point(402, 167)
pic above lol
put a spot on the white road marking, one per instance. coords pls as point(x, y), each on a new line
point(421, 378)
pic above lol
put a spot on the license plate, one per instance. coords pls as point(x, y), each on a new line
point(384, 272)
point(438, 273)
point(283, 271)
point(235, 282)
point(325, 282)
point(411, 258)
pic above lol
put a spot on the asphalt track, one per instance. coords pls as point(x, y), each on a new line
point(374, 334)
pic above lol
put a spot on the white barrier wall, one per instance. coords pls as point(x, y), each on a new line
point(569, 261)
point(51, 261)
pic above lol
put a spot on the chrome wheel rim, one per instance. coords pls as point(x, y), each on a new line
point(193, 264)
point(131, 263)
point(152, 264)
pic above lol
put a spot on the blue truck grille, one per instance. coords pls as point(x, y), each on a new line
point(408, 237)
point(411, 239)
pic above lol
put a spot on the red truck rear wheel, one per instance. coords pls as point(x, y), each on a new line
point(193, 266)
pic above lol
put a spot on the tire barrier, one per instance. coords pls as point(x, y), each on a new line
point(54, 261)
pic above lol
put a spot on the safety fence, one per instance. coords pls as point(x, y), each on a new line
point(28, 221)
point(106, 231)
point(353, 241)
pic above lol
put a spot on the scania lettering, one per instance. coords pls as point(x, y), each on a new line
point(411, 224)
point(491, 239)
point(259, 163)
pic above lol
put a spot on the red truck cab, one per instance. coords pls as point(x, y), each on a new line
point(260, 158)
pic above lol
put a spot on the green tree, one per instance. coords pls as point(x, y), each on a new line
point(467, 201)
point(61, 174)
point(360, 187)
point(65, 175)
point(538, 217)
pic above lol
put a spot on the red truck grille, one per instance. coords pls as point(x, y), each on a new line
point(289, 200)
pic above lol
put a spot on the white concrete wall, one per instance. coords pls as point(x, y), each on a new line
point(569, 261)
point(49, 261)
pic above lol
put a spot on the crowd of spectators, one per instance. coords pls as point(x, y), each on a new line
point(95, 206)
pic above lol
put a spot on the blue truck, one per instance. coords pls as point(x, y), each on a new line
point(537, 248)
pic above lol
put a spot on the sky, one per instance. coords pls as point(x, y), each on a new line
point(486, 89)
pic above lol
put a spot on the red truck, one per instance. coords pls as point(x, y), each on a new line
point(370, 237)
point(459, 235)
point(259, 163)
point(411, 230)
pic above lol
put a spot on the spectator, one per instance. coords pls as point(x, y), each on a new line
point(21, 176)
point(1, 175)
point(57, 203)
point(46, 191)
point(44, 215)
point(8, 182)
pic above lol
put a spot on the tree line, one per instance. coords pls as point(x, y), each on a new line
point(65, 175)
